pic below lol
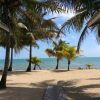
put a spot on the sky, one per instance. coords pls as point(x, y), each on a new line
point(90, 47)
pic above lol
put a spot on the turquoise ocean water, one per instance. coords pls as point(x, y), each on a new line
point(50, 63)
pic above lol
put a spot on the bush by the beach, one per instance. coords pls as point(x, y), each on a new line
point(89, 66)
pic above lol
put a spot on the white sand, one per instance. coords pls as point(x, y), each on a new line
point(78, 84)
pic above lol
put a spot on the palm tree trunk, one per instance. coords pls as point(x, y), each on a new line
point(11, 61)
point(39, 66)
point(57, 63)
point(30, 56)
point(68, 64)
point(34, 67)
point(6, 20)
point(4, 76)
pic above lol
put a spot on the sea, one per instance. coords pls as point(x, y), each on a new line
point(50, 63)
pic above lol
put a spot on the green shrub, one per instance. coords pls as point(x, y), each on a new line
point(89, 66)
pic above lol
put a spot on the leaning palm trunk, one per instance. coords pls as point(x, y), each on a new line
point(11, 61)
point(39, 67)
point(30, 56)
point(4, 76)
point(68, 64)
point(7, 22)
point(34, 67)
point(57, 63)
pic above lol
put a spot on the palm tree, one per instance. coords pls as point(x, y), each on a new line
point(86, 18)
point(11, 60)
point(35, 61)
point(12, 47)
point(31, 43)
point(13, 11)
point(3, 42)
point(57, 51)
point(70, 54)
point(44, 29)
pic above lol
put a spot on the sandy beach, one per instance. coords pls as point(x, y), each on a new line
point(78, 84)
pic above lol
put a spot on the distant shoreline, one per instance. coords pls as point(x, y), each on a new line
point(50, 58)
point(50, 63)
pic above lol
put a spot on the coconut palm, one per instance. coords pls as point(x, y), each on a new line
point(11, 60)
point(3, 42)
point(36, 61)
point(11, 12)
point(44, 29)
point(57, 54)
point(57, 51)
point(86, 18)
point(31, 43)
point(12, 47)
point(70, 54)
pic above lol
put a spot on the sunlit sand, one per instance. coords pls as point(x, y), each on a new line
point(78, 84)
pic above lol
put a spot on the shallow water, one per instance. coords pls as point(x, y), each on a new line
point(50, 63)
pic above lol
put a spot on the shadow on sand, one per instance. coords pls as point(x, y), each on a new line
point(62, 70)
point(72, 92)
point(93, 79)
point(77, 93)
point(21, 93)
point(36, 91)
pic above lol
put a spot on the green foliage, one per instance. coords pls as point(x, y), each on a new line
point(89, 66)
point(31, 14)
point(35, 60)
point(70, 52)
point(57, 50)
point(85, 11)
point(50, 52)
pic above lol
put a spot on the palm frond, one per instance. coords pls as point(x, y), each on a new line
point(98, 33)
point(35, 60)
point(75, 23)
point(46, 5)
point(83, 35)
point(50, 52)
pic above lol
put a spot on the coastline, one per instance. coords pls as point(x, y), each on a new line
point(50, 63)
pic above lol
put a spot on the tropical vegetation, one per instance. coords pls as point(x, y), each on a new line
point(23, 23)
point(22, 11)
point(87, 12)
point(36, 61)
point(70, 54)
point(89, 66)
point(57, 51)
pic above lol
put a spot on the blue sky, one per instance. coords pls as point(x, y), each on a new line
point(90, 46)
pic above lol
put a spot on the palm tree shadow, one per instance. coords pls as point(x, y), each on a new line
point(21, 93)
point(77, 93)
point(71, 91)
point(43, 84)
point(93, 79)
point(21, 72)
point(37, 90)
point(59, 71)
